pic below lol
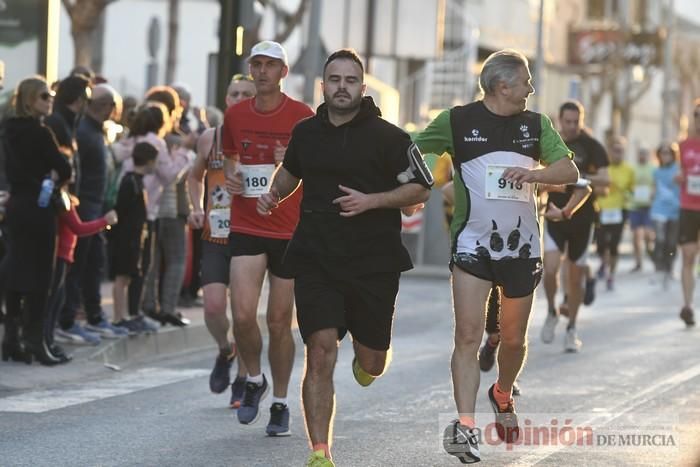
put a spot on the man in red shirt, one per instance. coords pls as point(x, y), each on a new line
point(255, 136)
point(689, 180)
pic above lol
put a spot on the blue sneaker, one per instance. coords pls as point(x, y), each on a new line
point(279, 420)
point(220, 377)
point(105, 329)
point(76, 334)
point(237, 392)
point(137, 325)
point(248, 413)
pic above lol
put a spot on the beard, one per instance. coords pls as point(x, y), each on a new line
point(350, 105)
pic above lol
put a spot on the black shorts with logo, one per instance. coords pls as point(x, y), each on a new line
point(363, 305)
point(517, 277)
point(250, 245)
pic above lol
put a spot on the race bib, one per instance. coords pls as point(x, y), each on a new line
point(256, 179)
point(642, 194)
point(693, 185)
point(219, 222)
point(497, 187)
point(611, 216)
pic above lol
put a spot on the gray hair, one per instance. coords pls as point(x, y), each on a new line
point(501, 67)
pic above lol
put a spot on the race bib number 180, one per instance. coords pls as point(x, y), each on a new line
point(256, 179)
point(497, 187)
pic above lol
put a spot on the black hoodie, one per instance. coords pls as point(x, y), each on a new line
point(364, 154)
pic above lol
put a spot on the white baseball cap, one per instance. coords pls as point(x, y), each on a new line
point(270, 49)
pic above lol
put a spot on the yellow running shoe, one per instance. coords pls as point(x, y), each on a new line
point(363, 378)
point(319, 459)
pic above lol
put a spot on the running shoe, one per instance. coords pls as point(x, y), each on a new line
point(319, 459)
point(461, 442)
point(571, 342)
point(237, 391)
point(487, 355)
point(249, 411)
point(550, 323)
point(506, 419)
point(279, 420)
point(106, 330)
point(76, 334)
point(589, 291)
point(220, 376)
point(687, 316)
point(362, 377)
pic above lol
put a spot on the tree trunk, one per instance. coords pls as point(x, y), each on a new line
point(173, 27)
point(85, 17)
point(82, 45)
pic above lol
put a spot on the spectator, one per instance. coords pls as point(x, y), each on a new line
point(83, 280)
point(70, 227)
point(72, 96)
point(128, 236)
point(163, 285)
point(150, 124)
point(33, 157)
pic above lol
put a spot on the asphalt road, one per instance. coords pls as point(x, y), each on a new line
point(637, 375)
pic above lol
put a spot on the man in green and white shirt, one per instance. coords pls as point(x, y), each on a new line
point(497, 147)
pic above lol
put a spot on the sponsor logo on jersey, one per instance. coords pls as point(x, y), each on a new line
point(475, 137)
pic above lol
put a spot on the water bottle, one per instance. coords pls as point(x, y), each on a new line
point(46, 192)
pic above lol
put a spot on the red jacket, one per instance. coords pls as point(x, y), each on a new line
point(70, 227)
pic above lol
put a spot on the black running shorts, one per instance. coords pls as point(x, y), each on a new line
point(216, 263)
point(250, 245)
point(362, 305)
point(517, 277)
point(689, 226)
point(569, 236)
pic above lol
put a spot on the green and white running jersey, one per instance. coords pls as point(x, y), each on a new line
point(492, 217)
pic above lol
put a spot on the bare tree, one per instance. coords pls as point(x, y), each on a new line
point(85, 18)
point(288, 20)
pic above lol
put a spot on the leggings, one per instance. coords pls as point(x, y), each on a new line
point(665, 244)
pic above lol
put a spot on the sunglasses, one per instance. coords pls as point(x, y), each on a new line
point(47, 94)
point(241, 77)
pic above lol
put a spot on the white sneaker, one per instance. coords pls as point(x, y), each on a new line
point(571, 342)
point(548, 329)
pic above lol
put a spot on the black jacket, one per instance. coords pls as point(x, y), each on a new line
point(33, 153)
point(93, 161)
point(364, 154)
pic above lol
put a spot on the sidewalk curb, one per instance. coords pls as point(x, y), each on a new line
point(167, 341)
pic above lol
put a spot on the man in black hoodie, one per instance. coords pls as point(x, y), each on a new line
point(346, 254)
point(72, 97)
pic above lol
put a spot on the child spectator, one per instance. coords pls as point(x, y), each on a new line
point(70, 227)
point(129, 233)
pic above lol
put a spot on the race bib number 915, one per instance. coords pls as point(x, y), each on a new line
point(256, 179)
point(497, 187)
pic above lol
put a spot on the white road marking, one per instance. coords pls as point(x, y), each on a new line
point(641, 398)
point(52, 399)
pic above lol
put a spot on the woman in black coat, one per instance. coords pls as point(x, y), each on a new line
point(33, 155)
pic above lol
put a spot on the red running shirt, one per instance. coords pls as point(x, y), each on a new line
point(690, 164)
point(252, 136)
